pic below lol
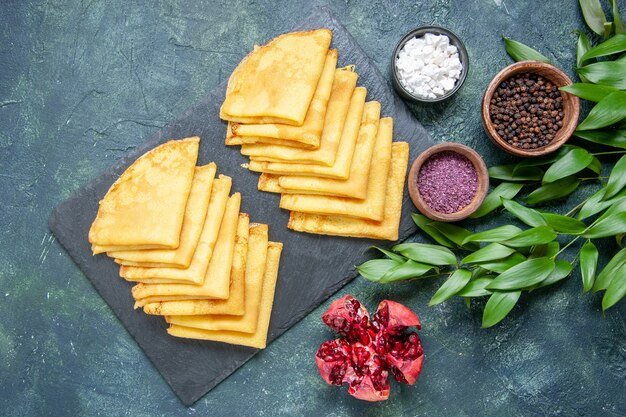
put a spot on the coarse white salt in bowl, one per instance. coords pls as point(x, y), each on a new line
point(429, 66)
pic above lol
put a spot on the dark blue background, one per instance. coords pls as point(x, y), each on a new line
point(83, 82)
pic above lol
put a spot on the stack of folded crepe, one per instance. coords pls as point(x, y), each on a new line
point(198, 261)
point(308, 129)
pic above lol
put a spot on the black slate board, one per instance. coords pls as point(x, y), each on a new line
point(312, 267)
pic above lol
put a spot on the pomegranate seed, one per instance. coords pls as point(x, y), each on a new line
point(369, 349)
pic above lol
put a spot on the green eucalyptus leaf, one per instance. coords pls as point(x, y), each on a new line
point(562, 269)
point(608, 111)
point(594, 15)
point(494, 235)
point(591, 92)
point(582, 46)
point(427, 254)
point(493, 200)
point(553, 191)
point(520, 52)
point(453, 285)
point(604, 278)
point(564, 224)
point(540, 235)
point(523, 275)
point(574, 161)
point(619, 239)
point(476, 288)
point(617, 205)
point(616, 290)
point(408, 270)
point(613, 45)
point(545, 251)
point(424, 222)
point(588, 264)
point(498, 306)
point(525, 214)
point(595, 165)
point(609, 226)
point(608, 29)
point(491, 252)
point(617, 179)
point(608, 137)
point(504, 264)
point(618, 23)
point(455, 234)
point(515, 173)
point(609, 73)
point(375, 269)
point(389, 254)
point(593, 205)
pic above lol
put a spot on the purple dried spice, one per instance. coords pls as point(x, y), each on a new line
point(447, 182)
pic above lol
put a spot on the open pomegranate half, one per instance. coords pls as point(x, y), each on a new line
point(370, 349)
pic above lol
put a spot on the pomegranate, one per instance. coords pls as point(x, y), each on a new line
point(370, 349)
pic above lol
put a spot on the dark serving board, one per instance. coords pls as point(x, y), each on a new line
point(312, 267)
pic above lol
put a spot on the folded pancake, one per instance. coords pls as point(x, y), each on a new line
point(197, 269)
point(216, 283)
point(253, 284)
point(232, 140)
point(340, 169)
point(344, 85)
point(356, 184)
point(370, 208)
point(346, 226)
point(258, 339)
point(195, 214)
point(269, 184)
point(310, 132)
point(276, 82)
point(234, 305)
point(128, 215)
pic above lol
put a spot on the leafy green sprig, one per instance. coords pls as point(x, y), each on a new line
point(506, 261)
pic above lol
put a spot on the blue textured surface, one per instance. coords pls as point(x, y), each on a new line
point(82, 83)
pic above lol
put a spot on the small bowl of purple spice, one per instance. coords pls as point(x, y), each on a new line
point(448, 182)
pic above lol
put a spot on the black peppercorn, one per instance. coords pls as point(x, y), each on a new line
point(527, 110)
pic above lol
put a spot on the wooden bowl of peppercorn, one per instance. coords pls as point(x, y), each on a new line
point(525, 113)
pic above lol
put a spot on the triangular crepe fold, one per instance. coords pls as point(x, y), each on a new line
point(346, 226)
point(195, 214)
point(276, 82)
point(128, 216)
point(258, 339)
point(309, 134)
point(200, 261)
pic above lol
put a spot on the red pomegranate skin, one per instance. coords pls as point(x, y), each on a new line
point(370, 349)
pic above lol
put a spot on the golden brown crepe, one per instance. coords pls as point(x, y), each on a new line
point(276, 82)
point(195, 214)
point(269, 184)
point(128, 215)
point(258, 339)
point(234, 305)
point(373, 206)
point(340, 169)
point(216, 283)
point(255, 270)
point(200, 261)
point(232, 140)
point(310, 132)
point(337, 110)
point(346, 226)
point(356, 184)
